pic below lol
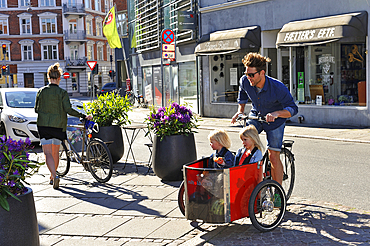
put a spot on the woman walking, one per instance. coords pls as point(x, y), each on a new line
point(52, 106)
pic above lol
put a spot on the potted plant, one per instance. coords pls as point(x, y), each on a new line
point(173, 144)
point(110, 111)
point(16, 200)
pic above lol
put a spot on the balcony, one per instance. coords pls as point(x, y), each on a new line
point(79, 63)
point(76, 36)
point(77, 9)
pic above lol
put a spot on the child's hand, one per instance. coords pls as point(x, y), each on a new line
point(219, 160)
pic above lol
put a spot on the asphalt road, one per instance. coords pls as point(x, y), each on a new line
point(330, 171)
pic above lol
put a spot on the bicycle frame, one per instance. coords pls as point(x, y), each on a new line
point(85, 142)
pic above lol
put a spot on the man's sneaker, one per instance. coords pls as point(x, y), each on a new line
point(277, 201)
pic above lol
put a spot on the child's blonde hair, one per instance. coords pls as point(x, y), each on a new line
point(251, 132)
point(220, 136)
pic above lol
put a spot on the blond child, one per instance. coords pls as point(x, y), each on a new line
point(252, 146)
point(220, 142)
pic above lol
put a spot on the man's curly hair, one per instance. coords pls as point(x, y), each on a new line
point(255, 60)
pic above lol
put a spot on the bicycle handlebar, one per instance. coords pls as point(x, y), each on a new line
point(90, 125)
point(251, 117)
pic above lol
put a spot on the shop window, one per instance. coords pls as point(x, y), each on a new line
point(226, 71)
point(334, 74)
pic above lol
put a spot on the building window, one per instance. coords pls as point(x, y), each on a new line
point(26, 26)
point(106, 5)
point(3, 4)
point(73, 26)
point(4, 27)
point(6, 54)
point(24, 3)
point(99, 27)
point(100, 53)
point(47, 3)
point(90, 52)
point(88, 4)
point(88, 27)
point(226, 71)
point(50, 52)
point(48, 25)
point(331, 74)
point(97, 5)
point(74, 52)
point(27, 53)
point(122, 24)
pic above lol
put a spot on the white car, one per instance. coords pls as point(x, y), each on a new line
point(18, 117)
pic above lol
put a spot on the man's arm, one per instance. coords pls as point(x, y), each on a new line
point(270, 117)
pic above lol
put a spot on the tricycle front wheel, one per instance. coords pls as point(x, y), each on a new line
point(267, 205)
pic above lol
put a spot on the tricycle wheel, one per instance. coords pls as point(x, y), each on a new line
point(267, 205)
point(181, 198)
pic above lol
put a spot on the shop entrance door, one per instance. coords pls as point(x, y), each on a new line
point(28, 80)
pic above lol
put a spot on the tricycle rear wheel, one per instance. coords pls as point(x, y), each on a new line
point(181, 198)
point(264, 209)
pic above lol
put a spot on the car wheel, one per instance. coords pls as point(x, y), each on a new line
point(2, 129)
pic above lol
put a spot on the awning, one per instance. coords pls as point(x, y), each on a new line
point(227, 41)
point(346, 27)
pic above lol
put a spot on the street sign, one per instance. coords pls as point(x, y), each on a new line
point(168, 47)
point(91, 64)
point(66, 75)
point(168, 36)
point(168, 55)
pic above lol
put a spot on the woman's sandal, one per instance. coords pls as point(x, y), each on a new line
point(56, 183)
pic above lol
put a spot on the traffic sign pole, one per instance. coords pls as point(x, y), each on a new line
point(168, 37)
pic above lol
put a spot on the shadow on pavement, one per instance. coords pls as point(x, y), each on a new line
point(303, 224)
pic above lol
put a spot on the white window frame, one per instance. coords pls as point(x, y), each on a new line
point(88, 4)
point(28, 43)
point(99, 51)
point(99, 26)
point(97, 5)
point(49, 42)
point(72, 23)
point(106, 6)
point(73, 51)
point(90, 45)
point(5, 19)
point(25, 16)
point(89, 30)
point(47, 3)
point(46, 16)
point(7, 49)
point(109, 50)
point(3, 4)
point(24, 3)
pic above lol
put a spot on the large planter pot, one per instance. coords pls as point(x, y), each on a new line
point(19, 225)
point(112, 136)
point(170, 154)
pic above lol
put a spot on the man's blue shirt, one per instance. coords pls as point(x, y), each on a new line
point(274, 96)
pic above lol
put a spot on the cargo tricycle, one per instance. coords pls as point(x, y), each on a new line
point(225, 195)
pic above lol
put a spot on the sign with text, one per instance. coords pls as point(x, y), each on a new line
point(186, 20)
point(168, 55)
point(168, 47)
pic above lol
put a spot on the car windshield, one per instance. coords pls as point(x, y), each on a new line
point(21, 99)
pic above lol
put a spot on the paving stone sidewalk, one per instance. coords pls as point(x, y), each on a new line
point(135, 208)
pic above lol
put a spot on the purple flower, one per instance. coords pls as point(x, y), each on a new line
point(16, 172)
point(11, 183)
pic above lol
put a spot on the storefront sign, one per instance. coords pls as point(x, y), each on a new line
point(306, 35)
point(218, 45)
point(325, 62)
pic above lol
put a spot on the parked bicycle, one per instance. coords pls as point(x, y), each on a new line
point(286, 157)
point(98, 160)
point(132, 97)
